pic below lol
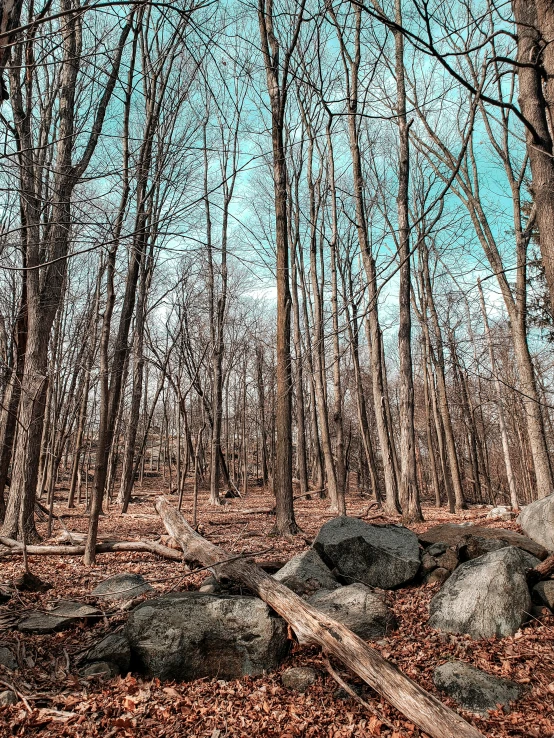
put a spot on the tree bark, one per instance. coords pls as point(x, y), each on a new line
point(535, 28)
point(408, 487)
point(277, 71)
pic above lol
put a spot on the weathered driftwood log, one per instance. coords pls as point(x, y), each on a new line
point(312, 626)
point(15, 547)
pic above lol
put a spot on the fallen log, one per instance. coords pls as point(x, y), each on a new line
point(544, 570)
point(15, 547)
point(313, 627)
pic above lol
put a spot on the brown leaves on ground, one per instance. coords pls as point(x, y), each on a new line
point(62, 703)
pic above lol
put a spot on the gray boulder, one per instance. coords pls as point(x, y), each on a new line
point(436, 549)
point(298, 679)
point(60, 617)
point(501, 513)
point(191, 635)
point(428, 563)
point(384, 556)
point(471, 547)
point(448, 560)
point(123, 586)
point(437, 576)
point(358, 608)
point(8, 698)
point(113, 648)
point(485, 597)
point(537, 521)
point(451, 534)
point(7, 658)
point(306, 573)
point(104, 669)
point(473, 689)
point(545, 592)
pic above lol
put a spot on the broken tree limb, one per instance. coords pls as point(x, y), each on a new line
point(313, 627)
point(544, 570)
point(15, 547)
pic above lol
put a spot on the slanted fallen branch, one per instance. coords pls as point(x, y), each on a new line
point(312, 626)
point(544, 570)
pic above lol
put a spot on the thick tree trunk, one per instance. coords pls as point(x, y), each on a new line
point(535, 28)
point(313, 627)
point(10, 405)
point(374, 330)
point(277, 83)
point(408, 488)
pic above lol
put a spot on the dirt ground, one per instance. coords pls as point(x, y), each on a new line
point(59, 702)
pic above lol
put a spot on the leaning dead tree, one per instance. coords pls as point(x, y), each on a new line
point(313, 627)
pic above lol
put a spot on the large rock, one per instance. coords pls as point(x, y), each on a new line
point(362, 611)
point(113, 648)
point(501, 513)
point(123, 586)
point(60, 617)
point(298, 678)
point(451, 534)
point(8, 698)
point(101, 669)
point(471, 547)
point(191, 635)
point(473, 689)
point(537, 520)
point(384, 556)
point(545, 592)
point(306, 573)
point(7, 658)
point(485, 597)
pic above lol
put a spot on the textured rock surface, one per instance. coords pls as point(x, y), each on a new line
point(113, 648)
point(448, 560)
point(428, 563)
point(7, 658)
point(485, 597)
point(537, 520)
point(436, 549)
point(437, 576)
point(8, 698)
point(60, 617)
point(359, 608)
point(123, 586)
point(473, 689)
point(306, 573)
point(190, 635)
point(501, 513)
point(471, 547)
point(298, 678)
point(545, 592)
point(451, 534)
point(105, 669)
point(384, 556)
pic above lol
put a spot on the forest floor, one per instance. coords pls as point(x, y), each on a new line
point(60, 702)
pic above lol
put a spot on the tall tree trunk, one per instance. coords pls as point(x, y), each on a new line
point(408, 488)
point(277, 82)
point(8, 419)
point(341, 470)
point(535, 29)
point(374, 330)
point(500, 408)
